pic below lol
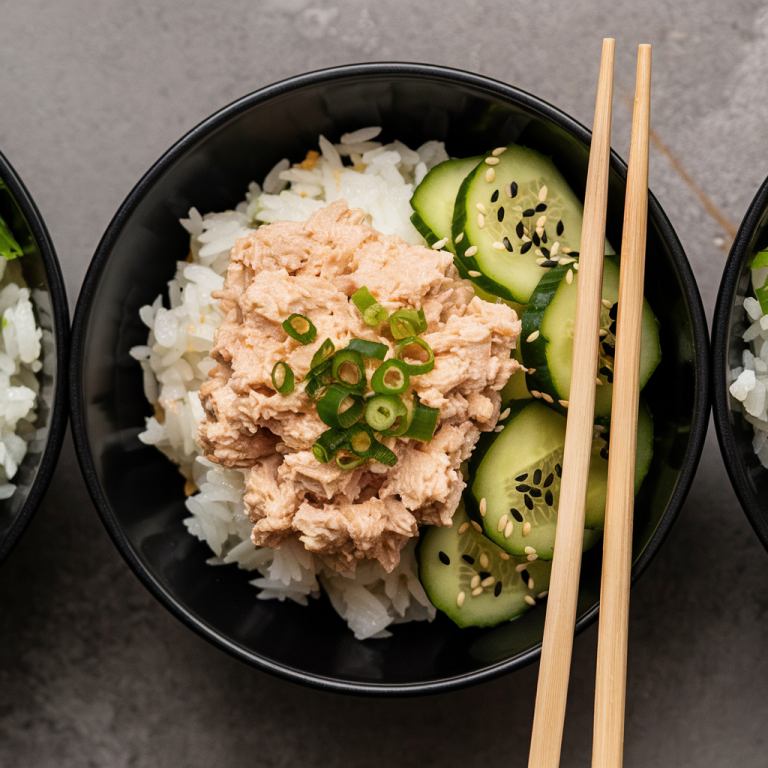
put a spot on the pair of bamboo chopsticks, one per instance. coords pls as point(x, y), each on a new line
point(610, 692)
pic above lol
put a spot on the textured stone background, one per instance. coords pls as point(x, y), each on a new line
point(94, 672)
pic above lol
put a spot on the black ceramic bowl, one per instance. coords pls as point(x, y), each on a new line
point(139, 494)
point(748, 477)
point(41, 271)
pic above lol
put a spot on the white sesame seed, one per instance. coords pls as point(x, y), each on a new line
point(498, 429)
point(490, 175)
point(503, 522)
point(599, 382)
point(492, 160)
point(569, 277)
point(439, 244)
point(496, 152)
point(480, 220)
point(459, 238)
point(508, 530)
point(541, 221)
point(475, 581)
point(607, 304)
point(576, 266)
point(555, 249)
point(543, 594)
point(526, 529)
point(526, 239)
point(543, 194)
point(547, 397)
point(520, 567)
point(508, 190)
point(531, 558)
point(541, 260)
point(530, 600)
point(566, 249)
point(498, 246)
point(489, 582)
point(483, 507)
point(530, 551)
point(565, 261)
point(533, 336)
point(480, 207)
point(460, 599)
point(503, 555)
point(474, 273)
point(484, 560)
point(476, 526)
point(477, 591)
point(564, 403)
point(471, 251)
point(540, 231)
point(503, 415)
point(463, 528)
point(536, 394)
point(530, 584)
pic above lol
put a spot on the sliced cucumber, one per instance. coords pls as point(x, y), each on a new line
point(551, 312)
point(474, 582)
point(512, 210)
point(434, 198)
point(515, 388)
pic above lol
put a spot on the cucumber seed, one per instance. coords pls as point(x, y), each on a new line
point(484, 562)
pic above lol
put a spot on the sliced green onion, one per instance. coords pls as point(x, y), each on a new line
point(348, 461)
point(348, 369)
point(390, 378)
point(360, 439)
point(331, 408)
point(9, 247)
point(372, 349)
point(407, 322)
point(381, 411)
point(401, 423)
point(413, 368)
point(282, 378)
point(317, 385)
point(329, 444)
point(373, 313)
point(322, 354)
point(423, 423)
point(300, 328)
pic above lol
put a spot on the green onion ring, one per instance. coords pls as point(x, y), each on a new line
point(373, 313)
point(329, 444)
point(353, 359)
point(323, 353)
point(329, 409)
point(423, 423)
point(282, 378)
point(381, 411)
point(379, 383)
point(348, 461)
point(407, 322)
point(412, 368)
point(402, 423)
point(293, 325)
point(373, 349)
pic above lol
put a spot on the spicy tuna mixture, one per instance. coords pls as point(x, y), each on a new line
point(313, 268)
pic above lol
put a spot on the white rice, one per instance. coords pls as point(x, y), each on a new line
point(20, 350)
point(175, 363)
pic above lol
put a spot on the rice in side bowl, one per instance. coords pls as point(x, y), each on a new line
point(176, 364)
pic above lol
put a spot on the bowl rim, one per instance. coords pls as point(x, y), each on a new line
point(219, 118)
point(60, 315)
point(721, 327)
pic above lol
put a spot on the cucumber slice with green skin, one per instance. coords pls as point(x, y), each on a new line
point(512, 212)
point(434, 198)
point(452, 559)
point(515, 388)
point(549, 352)
point(517, 472)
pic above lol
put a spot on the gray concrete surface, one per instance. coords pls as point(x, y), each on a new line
point(93, 672)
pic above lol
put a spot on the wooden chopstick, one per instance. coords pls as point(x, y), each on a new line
point(556, 652)
point(610, 689)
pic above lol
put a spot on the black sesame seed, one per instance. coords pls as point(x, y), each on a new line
point(523, 488)
point(537, 477)
point(526, 247)
point(574, 254)
point(545, 252)
point(604, 452)
point(468, 559)
point(519, 230)
point(507, 244)
point(550, 479)
point(536, 239)
point(544, 236)
point(497, 589)
point(549, 498)
point(528, 501)
point(525, 576)
point(495, 196)
point(513, 189)
point(521, 478)
point(609, 377)
point(483, 575)
point(614, 311)
point(535, 492)
point(612, 328)
point(548, 263)
point(609, 349)
point(500, 214)
point(444, 558)
point(605, 370)
point(541, 207)
point(560, 228)
point(516, 515)
point(558, 470)
point(528, 212)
